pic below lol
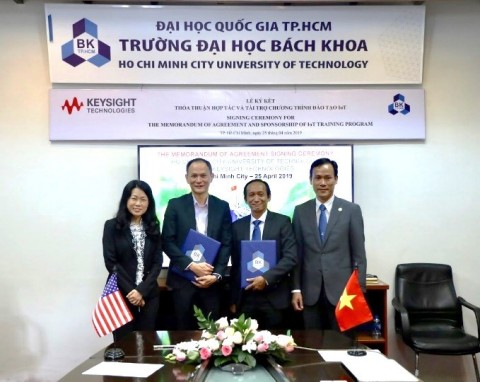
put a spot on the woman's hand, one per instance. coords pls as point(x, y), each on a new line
point(135, 298)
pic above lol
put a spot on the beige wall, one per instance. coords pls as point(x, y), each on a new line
point(419, 199)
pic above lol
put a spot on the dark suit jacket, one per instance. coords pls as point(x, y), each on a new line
point(277, 227)
point(333, 261)
point(180, 218)
point(120, 257)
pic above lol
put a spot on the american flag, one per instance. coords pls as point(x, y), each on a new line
point(111, 311)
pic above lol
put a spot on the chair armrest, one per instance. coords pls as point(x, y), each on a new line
point(475, 310)
point(404, 320)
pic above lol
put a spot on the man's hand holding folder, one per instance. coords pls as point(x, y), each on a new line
point(203, 273)
point(200, 269)
point(256, 283)
point(202, 250)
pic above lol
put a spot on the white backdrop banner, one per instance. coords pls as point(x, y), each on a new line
point(235, 44)
point(282, 114)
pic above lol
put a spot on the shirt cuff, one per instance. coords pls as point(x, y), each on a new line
point(296, 291)
point(218, 276)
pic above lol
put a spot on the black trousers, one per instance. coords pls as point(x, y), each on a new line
point(144, 318)
point(184, 298)
point(256, 305)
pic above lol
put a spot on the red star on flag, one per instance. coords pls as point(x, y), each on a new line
point(352, 308)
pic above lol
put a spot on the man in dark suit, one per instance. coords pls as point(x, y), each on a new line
point(210, 216)
point(326, 259)
point(267, 296)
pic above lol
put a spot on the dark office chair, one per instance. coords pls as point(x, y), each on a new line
point(428, 312)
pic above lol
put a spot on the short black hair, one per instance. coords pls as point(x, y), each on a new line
point(267, 187)
point(321, 162)
point(209, 165)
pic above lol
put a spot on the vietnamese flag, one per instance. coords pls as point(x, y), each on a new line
point(352, 308)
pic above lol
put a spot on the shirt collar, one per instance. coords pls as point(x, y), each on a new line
point(197, 204)
point(261, 218)
point(328, 204)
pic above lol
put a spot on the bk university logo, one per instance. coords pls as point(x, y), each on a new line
point(85, 46)
point(399, 105)
point(258, 263)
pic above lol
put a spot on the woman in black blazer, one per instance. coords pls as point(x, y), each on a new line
point(132, 249)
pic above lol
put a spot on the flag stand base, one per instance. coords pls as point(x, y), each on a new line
point(113, 354)
point(357, 352)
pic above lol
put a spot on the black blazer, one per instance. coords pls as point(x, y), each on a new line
point(180, 218)
point(277, 227)
point(120, 257)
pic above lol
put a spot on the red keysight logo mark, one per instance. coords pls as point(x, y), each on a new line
point(70, 106)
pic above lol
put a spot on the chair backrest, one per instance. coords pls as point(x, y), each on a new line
point(427, 291)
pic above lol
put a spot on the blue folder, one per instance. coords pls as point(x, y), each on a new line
point(256, 257)
point(199, 248)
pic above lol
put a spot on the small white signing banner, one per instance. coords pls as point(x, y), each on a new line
point(282, 114)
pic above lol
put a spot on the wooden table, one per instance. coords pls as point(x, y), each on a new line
point(302, 365)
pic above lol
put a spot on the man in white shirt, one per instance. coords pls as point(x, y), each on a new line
point(209, 215)
point(330, 245)
point(266, 297)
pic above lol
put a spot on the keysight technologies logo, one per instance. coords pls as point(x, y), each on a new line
point(100, 105)
point(73, 105)
point(85, 46)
